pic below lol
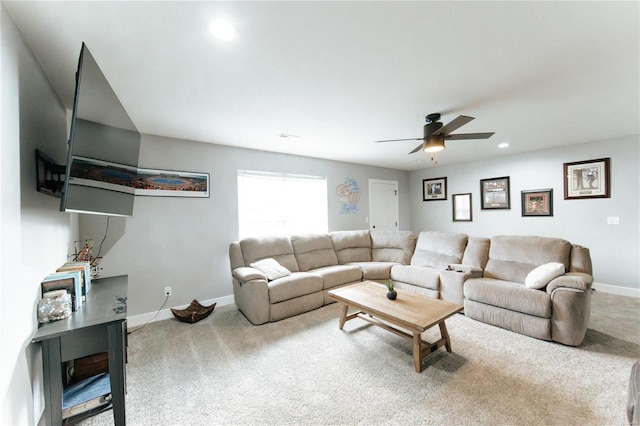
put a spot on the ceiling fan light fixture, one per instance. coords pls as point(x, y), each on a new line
point(433, 144)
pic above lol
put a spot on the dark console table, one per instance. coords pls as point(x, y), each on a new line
point(98, 326)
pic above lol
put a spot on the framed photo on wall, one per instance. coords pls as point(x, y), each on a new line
point(587, 179)
point(537, 202)
point(434, 189)
point(495, 194)
point(462, 207)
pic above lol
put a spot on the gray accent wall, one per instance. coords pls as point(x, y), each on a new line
point(614, 248)
point(35, 235)
point(183, 242)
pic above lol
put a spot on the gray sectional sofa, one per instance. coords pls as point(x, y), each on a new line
point(504, 281)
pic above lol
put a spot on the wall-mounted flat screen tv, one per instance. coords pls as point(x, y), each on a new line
point(102, 130)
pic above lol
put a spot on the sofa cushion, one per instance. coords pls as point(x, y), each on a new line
point(313, 251)
point(236, 260)
point(533, 326)
point(351, 246)
point(511, 258)
point(295, 285)
point(336, 275)
point(438, 249)
point(580, 260)
point(539, 277)
point(477, 252)
point(375, 270)
point(508, 295)
point(392, 246)
point(271, 268)
point(417, 275)
point(278, 248)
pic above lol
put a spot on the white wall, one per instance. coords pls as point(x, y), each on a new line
point(183, 242)
point(35, 235)
point(614, 248)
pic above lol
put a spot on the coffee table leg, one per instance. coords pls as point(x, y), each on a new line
point(343, 316)
point(445, 336)
point(417, 351)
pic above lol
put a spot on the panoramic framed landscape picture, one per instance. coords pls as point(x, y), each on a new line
point(587, 179)
point(138, 181)
point(434, 189)
point(494, 193)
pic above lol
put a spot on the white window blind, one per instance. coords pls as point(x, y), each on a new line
point(281, 204)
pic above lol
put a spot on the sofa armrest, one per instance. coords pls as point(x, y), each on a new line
point(459, 267)
point(452, 281)
point(245, 273)
point(251, 294)
point(575, 280)
point(571, 307)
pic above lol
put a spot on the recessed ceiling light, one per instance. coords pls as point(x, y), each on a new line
point(288, 135)
point(223, 29)
point(503, 145)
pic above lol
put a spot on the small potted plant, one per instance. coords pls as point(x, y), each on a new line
point(391, 293)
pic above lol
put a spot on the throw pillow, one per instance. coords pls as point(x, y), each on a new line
point(543, 274)
point(271, 268)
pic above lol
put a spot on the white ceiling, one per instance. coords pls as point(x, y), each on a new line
point(343, 74)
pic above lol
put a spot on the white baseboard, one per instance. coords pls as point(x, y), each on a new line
point(136, 320)
point(616, 289)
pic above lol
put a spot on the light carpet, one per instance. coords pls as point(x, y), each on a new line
point(303, 370)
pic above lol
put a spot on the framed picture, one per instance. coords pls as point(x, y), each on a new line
point(434, 189)
point(586, 179)
point(537, 202)
point(462, 207)
point(172, 183)
point(138, 181)
point(494, 193)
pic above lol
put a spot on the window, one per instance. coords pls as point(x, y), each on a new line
point(281, 204)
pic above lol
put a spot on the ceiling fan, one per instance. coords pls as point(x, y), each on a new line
point(435, 133)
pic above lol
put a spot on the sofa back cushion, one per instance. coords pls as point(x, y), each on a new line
point(580, 260)
point(438, 249)
point(511, 258)
point(351, 246)
point(313, 251)
point(477, 252)
point(392, 246)
point(278, 248)
point(235, 255)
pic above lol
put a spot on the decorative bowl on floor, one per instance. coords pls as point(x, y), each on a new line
point(193, 313)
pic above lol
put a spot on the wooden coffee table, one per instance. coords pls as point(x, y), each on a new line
point(412, 312)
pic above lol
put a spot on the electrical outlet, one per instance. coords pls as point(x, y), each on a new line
point(167, 291)
point(613, 220)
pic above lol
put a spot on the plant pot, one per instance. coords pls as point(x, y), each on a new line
point(392, 294)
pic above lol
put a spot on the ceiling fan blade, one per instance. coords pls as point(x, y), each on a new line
point(469, 136)
point(460, 121)
point(417, 148)
point(398, 140)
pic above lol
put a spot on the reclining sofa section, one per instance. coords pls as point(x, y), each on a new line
point(490, 277)
point(315, 263)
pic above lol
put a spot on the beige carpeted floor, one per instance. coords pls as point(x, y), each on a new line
point(303, 370)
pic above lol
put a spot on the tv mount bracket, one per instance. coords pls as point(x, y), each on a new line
point(49, 175)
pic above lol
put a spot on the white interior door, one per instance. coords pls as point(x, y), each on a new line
point(383, 205)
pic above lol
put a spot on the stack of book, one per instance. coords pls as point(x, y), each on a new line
point(74, 277)
point(85, 270)
point(86, 395)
